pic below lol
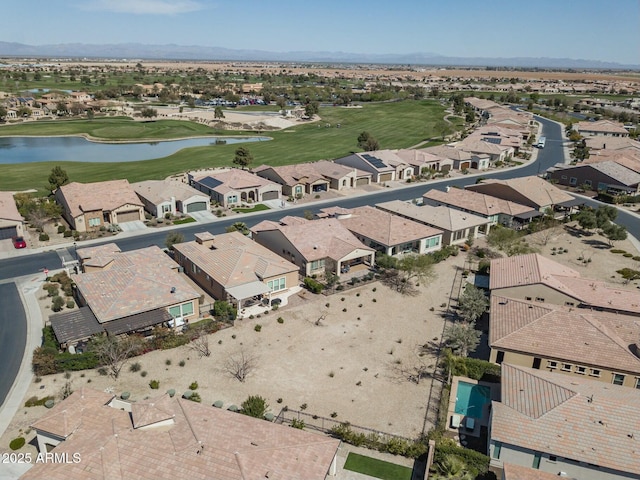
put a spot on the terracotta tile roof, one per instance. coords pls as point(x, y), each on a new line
point(300, 173)
point(477, 145)
point(328, 169)
point(106, 196)
point(527, 269)
point(389, 159)
point(595, 293)
point(8, 208)
point(625, 158)
point(611, 143)
point(603, 126)
point(98, 256)
point(476, 202)
point(481, 103)
point(135, 282)
point(512, 471)
point(233, 179)
point(385, 228)
point(235, 260)
point(191, 440)
point(584, 420)
point(158, 191)
point(418, 157)
point(538, 191)
point(448, 151)
point(579, 336)
point(443, 218)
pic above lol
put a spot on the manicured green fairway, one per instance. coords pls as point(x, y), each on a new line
point(394, 124)
point(376, 468)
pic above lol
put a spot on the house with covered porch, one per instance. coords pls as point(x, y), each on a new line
point(235, 186)
point(233, 268)
point(316, 246)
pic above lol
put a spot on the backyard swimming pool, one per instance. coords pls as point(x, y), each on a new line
point(471, 399)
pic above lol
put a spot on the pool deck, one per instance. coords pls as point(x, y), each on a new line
point(462, 431)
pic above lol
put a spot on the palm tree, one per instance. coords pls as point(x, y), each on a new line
point(451, 468)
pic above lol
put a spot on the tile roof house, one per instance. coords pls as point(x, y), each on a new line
point(605, 128)
point(171, 437)
point(315, 246)
point(511, 471)
point(234, 268)
point(387, 233)
point(495, 210)
point(383, 165)
point(460, 158)
point(456, 225)
point(608, 176)
point(422, 159)
point(573, 427)
point(532, 191)
point(627, 157)
point(572, 341)
point(235, 186)
point(534, 277)
point(132, 291)
point(598, 144)
point(89, 206)
point(486, 147)
point(170, 196)
point(11, 222)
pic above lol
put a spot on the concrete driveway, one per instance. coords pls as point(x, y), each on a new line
point(203, 217)
point(132, 226)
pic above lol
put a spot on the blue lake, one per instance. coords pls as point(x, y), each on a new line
point(78, 149)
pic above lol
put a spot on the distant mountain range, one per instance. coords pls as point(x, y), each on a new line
point(195, 52)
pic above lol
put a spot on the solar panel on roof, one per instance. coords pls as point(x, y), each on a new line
point(209, 182)
point(376, 162)
point(495, 141)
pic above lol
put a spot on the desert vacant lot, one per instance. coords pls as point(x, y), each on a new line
point(347, 364)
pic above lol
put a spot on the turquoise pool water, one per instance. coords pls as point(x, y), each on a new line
point(471, 399)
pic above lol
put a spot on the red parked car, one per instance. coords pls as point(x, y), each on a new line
point(18, 242)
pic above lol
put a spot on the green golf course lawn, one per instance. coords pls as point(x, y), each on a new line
point(394, 124)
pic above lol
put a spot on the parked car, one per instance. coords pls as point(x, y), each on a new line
point(18, 242)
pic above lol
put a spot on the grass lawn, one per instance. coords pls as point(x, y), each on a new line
point(184, 220)
point(376, 468)
point(394, 124)
point(258, 208)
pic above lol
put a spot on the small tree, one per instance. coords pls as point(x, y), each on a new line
point(200, 343)
point(462, 338)
point(240, 365)
point(113, 352)
point(502, 237)
point(614, 233)
point(417, 268)
point(148, 112)
point(243, 157)
point(254, 406)
point(368, 142)
point(238, 227)
point(472, 303)
point(172, 239)
point(57, 178)
point(218, 113)
point(587, 219)
point(223, 310)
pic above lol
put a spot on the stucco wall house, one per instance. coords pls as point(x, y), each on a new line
point(169, 196)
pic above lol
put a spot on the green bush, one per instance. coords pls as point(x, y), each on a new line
point(17, 443)
point(67, 233)
point(154, 384)
point(254, 406)
point(195, 397)
point(193, 386)
point(43, 237)
point(476, 462)
point(257, 327)
point(224, 311)
point(51, 288)
point(35, 401)
point(444, 253)
point(295, 423)
point(135, 367)
point(472, 367)
point(397, 446)
point(57, 304)
point(280, 320)
point(313, 285)
point(617, 250)
point(627, 255)
point(74, 362)
point(70, 303)
point(62, 229)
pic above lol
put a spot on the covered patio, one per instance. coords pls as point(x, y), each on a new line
point(248, 294)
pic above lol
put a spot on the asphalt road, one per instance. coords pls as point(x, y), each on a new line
point(13, 336)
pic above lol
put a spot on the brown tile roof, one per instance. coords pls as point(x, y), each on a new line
point(540, 192)
point(301, 173)
point(512, 471)
point(527, 269)
point(476, 202)
point(191, 441)
point(106, 196)
point(611, 143)
point(604, 126)
point(234, 179)
point(158, 191)
point(473, 144)
point(8, 208)
point(578, 336)
point(329, 169)
point(448, 151)
point(385, 228)
point(442, 217)
point(98, 256)
point(137, 281)
point(75, 325)
point(418, 157)
point(235, 260)
point(584, 420)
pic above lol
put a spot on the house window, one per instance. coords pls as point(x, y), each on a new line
point(637, 382)
point(594, 372)
point(566, 367)
point(459, 235)
point(553, 458)
point(552, 365)
point(528, 299)
point(433, 242)
point(536, 461)
point(277, 284)
point(618, 379)
point(539, 299)
point(298, 190)
point(317, 264)
point(573, 181)
point(94, 222)
point(166, 208)
point(563, 177)
point(497, 447)
point(569, 304)
point(500, 357)
point(183, 310)
point(581, 370)
point(602, 186)
point(232, 199)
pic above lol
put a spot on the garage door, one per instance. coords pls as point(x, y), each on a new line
point(362, 181)
point(465, 165)
point(386, 177)
point(8, 232)
point(270, 195)
point(131, 216)
point(196, 207)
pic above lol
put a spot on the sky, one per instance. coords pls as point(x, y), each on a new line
point(604, 30)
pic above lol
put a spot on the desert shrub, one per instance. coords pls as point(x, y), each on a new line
point(295, 423)
point(135, 367)
point(67, 233)
point(193, 386)
point(182, 363)
point(254, 406)
point(195, 397)
point(17, 443)
point(57, 304)
point(476, 462)
point(280, 320)
point(483, 266)
point(471, 367)
point(35, 401)
point(627, 255)
point(154, 384)
point(257, 327)
point(143, 373)
point(51, 288)
point(43, 237)
point(61, 228)
point(74, 362)
point(70, 303)
point(313, 285)
point(617, 250)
